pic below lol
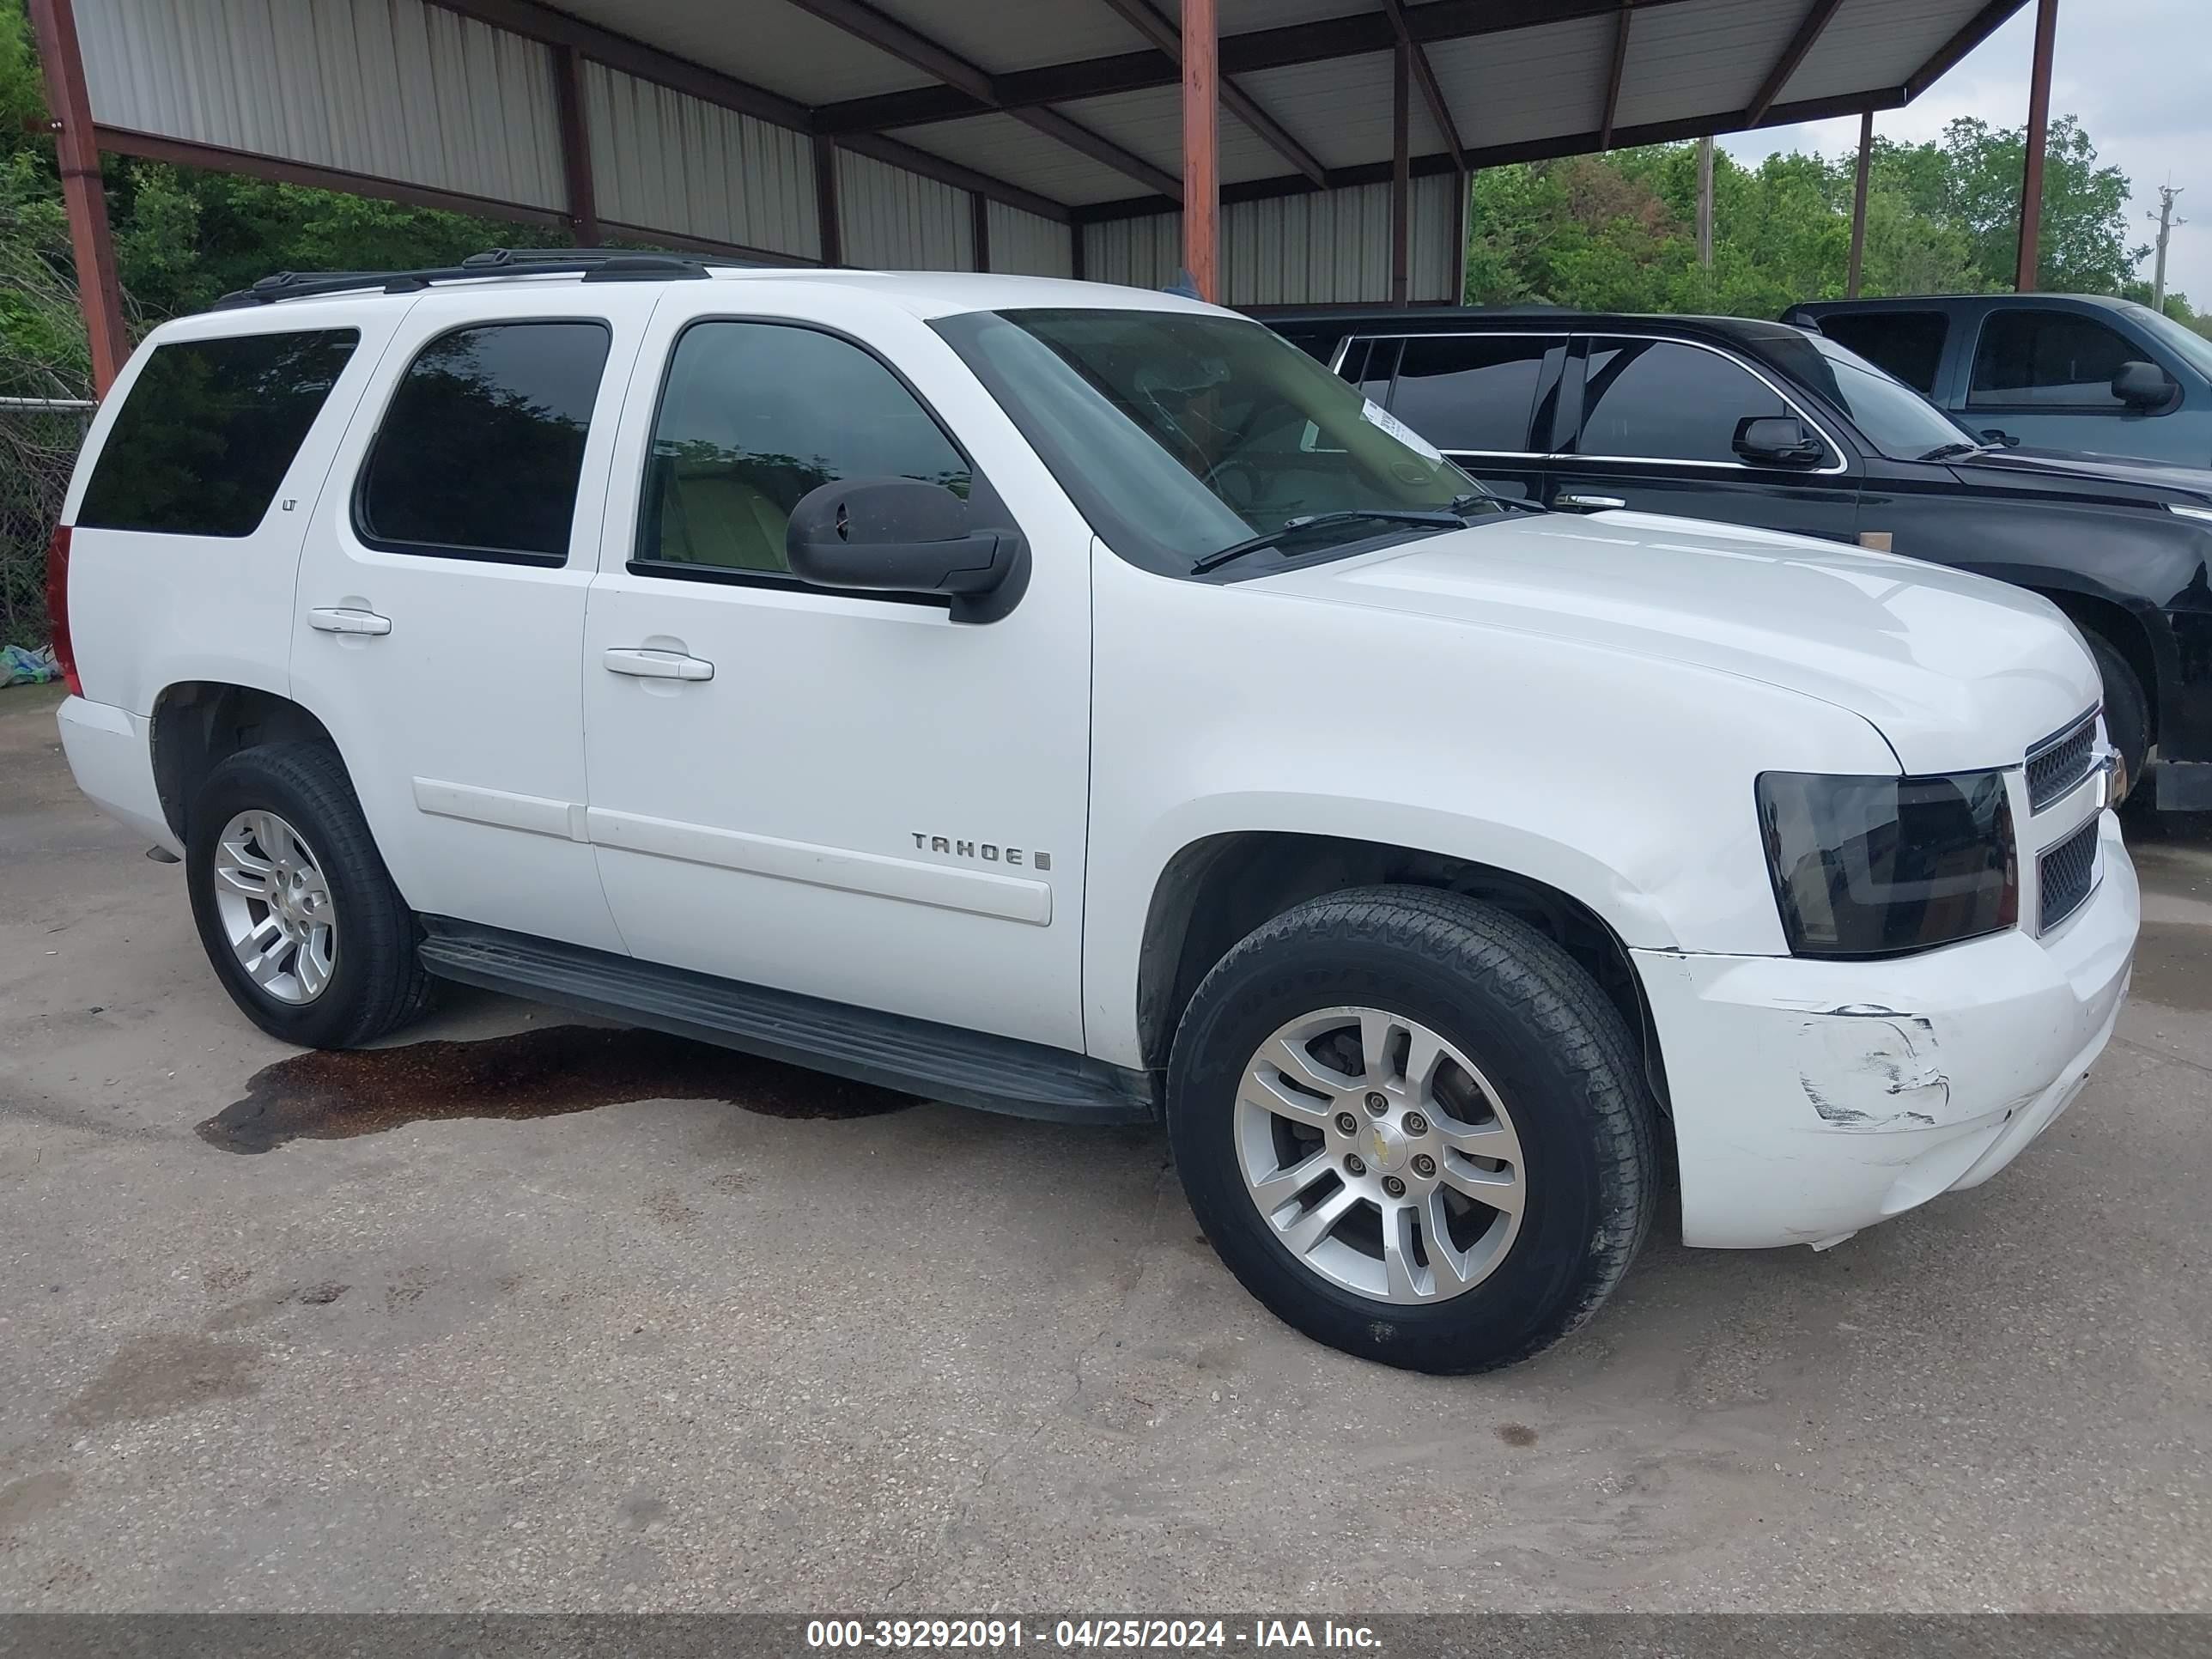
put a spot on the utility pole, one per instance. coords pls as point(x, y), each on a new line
point(1705, 204)
point(2166, 222)
point(2038, 132)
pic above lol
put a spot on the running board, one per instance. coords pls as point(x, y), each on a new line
point(916, 1056)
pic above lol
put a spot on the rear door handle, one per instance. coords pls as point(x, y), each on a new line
point(1587, 504)
point(347, 619)
point(657, 664)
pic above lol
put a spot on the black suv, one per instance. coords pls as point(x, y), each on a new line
point(1760, 423)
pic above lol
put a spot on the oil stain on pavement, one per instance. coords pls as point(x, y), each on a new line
point(332, 1096)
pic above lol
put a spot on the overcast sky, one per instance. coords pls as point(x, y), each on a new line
point(2137, 72)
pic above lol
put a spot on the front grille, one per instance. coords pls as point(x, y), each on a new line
point(2057, 764)
point(2063, 875)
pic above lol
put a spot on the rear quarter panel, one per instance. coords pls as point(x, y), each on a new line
point(149, 611)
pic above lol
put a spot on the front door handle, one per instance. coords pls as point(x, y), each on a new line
point(347, 619)
point(657, 664)
point(1581, 503)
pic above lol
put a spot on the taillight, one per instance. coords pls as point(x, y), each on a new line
point(57, 552)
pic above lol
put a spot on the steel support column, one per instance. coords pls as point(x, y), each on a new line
point(99, 293)
point(1201, 155)
point(1859, 204)
point(1402, 177)
point(2038, 125)
point(827, 214)
point(1462, 226)
point(575, 147)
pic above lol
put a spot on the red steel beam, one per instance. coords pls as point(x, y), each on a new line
point(1201, 151)
point(84, 197)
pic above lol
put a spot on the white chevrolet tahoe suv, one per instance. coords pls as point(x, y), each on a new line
point(1073, 701)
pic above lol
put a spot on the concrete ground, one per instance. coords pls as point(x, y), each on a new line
point(818, 1357)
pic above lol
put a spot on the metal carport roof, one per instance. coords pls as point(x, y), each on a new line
point(1057, 135)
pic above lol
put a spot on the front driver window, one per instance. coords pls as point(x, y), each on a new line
point(754, 415)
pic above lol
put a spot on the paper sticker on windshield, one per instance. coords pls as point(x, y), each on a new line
point(1377, 414)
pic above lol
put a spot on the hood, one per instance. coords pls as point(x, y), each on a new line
point(2191, 484)
point(1956, 672)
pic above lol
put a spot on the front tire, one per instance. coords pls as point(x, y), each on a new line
point(1413, 1128)
point(294, 907)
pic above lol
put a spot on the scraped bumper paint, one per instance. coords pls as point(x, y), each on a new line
point(1813, 1098)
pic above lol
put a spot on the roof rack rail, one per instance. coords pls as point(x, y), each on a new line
point(593, 264)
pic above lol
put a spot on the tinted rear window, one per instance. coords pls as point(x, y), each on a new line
point(1908, 344)
point(480, 450)
point(209, 431)
point(1471, 390)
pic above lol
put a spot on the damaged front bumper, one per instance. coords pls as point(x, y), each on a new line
point(1813, 1098)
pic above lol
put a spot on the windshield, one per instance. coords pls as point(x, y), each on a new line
point(1895, 419)
point(2183, 342)
point(1180, 434)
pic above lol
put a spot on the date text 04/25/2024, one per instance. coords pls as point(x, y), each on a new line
point(1260, 1634)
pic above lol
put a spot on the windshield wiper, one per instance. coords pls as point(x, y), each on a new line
point(1951, 452)
point(1221, 556)
point(1464, 504)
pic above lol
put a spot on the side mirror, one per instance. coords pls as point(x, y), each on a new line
point(2141, 385)
point(902, 535)
point(2000, 438)
point(1777, 440)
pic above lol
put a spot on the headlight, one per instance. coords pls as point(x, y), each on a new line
point(2188, 511)
point(1879, 867)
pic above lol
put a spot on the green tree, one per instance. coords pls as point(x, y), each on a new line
point(1970, 180)
point(1615, 232)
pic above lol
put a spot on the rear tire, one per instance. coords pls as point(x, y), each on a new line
point(2127, 710)
point(294, 907)
point(1539, 1080)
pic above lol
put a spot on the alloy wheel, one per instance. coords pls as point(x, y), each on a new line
point(276, 907)
point(1379, 1156)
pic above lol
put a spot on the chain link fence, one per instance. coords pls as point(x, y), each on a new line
point(39, 440)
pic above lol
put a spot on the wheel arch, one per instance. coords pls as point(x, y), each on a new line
point(197, 725)
point(2121, 629)
point(1217, 888)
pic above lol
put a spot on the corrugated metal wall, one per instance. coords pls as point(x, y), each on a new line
point(894, 220)
point(1029, 245)
point(1326, 247)
point(667, 161)
point(1140, 253)
point(391, 87)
